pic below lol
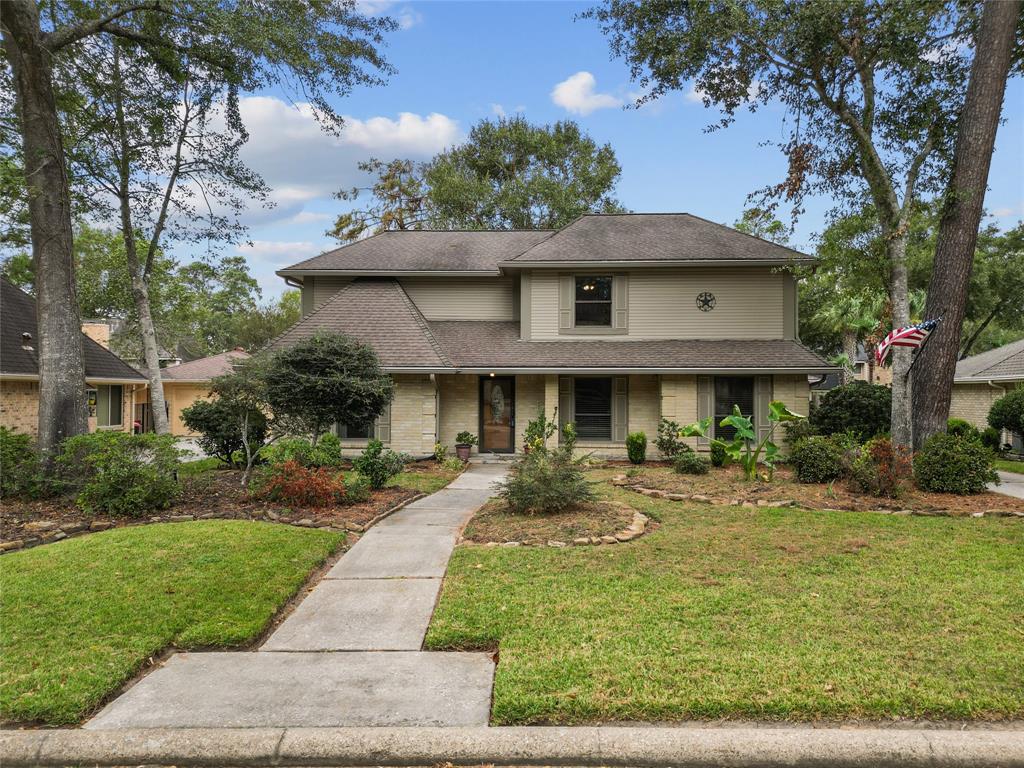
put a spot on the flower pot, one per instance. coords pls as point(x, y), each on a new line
point(462, 451)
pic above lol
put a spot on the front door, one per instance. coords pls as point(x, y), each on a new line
point(497, 414)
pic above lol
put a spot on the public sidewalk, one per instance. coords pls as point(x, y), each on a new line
point(350, 653)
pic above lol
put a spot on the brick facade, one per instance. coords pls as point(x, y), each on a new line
point(19, 407)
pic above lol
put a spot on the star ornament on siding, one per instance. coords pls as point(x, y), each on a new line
point(706, 301)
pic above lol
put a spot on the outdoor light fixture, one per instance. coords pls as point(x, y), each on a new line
point(492, 374)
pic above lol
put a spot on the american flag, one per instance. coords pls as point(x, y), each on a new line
point(908, 336)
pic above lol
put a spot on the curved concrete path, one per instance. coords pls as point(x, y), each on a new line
point(349, 655)
point(1010, 484)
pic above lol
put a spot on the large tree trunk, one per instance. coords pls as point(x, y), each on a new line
point(958, 230)
point(900, 423)
point(62, 406)
point(850, 350)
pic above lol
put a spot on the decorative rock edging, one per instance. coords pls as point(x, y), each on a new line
point(51, 532)
point(622, 481)
point(635, 530)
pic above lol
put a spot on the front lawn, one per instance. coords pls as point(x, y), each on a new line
point(82, 616)
point(749, 613)
point(1006, 465)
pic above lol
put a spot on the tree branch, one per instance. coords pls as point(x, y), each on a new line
point(60, 38)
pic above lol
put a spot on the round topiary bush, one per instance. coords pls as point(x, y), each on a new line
point(817, 459)
point(636, 447)
point(860, 408)
point(691, 463)
point(953, 464)
point(962, 428)
point(1008, 412)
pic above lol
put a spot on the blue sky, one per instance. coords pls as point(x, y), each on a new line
point(460, 62)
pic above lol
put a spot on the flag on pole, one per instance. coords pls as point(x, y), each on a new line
point(908, 336)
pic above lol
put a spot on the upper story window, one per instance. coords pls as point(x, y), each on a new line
point(593, 305)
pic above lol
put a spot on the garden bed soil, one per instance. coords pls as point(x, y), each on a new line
point(495, 523)
point(726, 485)
point(214, 494)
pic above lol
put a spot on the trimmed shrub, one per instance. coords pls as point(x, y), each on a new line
point(636, 447)
point(950, 463)
point(718, 455)
point(881, 468)
point(1008, 412)
point(797, 430)
point(962, 428)
point(119, 473)
point(378, 465)
point(691, 463)
point(220, 433)
point(818, 459)
point(861, 408)
point(326, 452)
point(669, 443)
point(546, 481)
point(295, 485)
point(19, 465)
point(991, 439)
point(538, 431)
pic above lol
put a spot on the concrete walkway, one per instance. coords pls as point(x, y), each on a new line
point(1010, 484)
point(349, 655)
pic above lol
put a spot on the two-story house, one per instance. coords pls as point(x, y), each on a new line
point(616, 321)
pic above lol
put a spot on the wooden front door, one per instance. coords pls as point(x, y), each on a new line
point(497, 414)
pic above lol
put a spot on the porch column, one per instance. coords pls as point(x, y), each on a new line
point(551, 401)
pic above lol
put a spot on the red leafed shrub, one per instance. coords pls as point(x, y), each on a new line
point(298, 486)
point(882, 469)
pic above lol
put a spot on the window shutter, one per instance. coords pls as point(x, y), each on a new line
point(705, 404)
point(620, 303)
point(382, 427)
point(566, 288)
point(620, 409)
point(762, 396)
point(565, 403)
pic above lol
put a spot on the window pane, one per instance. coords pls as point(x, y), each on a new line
point(593, 289)
point(103, 406)
point(593, 402)
point(730, 391)
point(357, 431)
point(596, 313)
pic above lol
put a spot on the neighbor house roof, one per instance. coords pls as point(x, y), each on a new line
point(205, 368)
point(19, 355)
point(653, 237)
point(378, 312)
point(407, 251)
point(1005, 363)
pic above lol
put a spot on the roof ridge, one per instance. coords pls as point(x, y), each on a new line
point(315, 311)
point(740, 231)
point(422, 322)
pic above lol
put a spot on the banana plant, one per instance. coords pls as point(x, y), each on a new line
point(744, 448)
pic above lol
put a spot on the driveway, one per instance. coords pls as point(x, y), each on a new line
point(1010, 484)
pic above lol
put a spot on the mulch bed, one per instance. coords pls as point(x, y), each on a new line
point(725, 485)
point(215, 494)
point(593, 520)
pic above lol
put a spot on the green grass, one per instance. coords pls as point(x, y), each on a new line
point(423, 482)
point(81, 616)
point(1009, 466)
point(750, 613)
point(199, 466)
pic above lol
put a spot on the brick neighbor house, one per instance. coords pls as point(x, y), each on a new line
point(982, 379)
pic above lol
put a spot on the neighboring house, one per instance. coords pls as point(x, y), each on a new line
point(616, 321)
point(186, 383)
point(113, 385)
point(982, 379)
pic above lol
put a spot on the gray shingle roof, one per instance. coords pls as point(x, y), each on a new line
point(472, 344)
point(205, 368)
point(639, 237)
point(1002, 363)
point(377, 312)
point(424, 251)
point(18, 316)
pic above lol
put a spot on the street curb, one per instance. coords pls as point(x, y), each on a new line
point(685, 747)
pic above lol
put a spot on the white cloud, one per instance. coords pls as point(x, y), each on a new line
point(497, 109)
point(1007, 210)
point(309, 217)
point(576, 94)
point(406, 16)
point(696, 95)
point(279, 252)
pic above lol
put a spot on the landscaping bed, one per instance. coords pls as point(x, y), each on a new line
point(585, 523)
point(726, 485)
point(211, 492)
point(82, 617)
point(749, 613)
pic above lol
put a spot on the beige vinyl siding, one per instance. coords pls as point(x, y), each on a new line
point(462, 298)
point(317, 290)
point(750, 304)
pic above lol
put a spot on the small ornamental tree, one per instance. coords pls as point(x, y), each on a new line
point(1008, 412)
point(217, 424)
point(324, 380)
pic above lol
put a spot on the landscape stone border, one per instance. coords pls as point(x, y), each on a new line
point(621, 481)
point(634, 530)
point(51, 532)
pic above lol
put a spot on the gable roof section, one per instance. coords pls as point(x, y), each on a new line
point(18, 316)
point(653, 237)
point(378, 312)
point(1005, 363)
point(422, 251)
point(205, 368)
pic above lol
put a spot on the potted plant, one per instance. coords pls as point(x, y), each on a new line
point(464, 441)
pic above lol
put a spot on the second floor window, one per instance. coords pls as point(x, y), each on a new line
point(594, 301)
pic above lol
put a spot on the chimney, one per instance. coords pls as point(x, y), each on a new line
point(98, 331)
